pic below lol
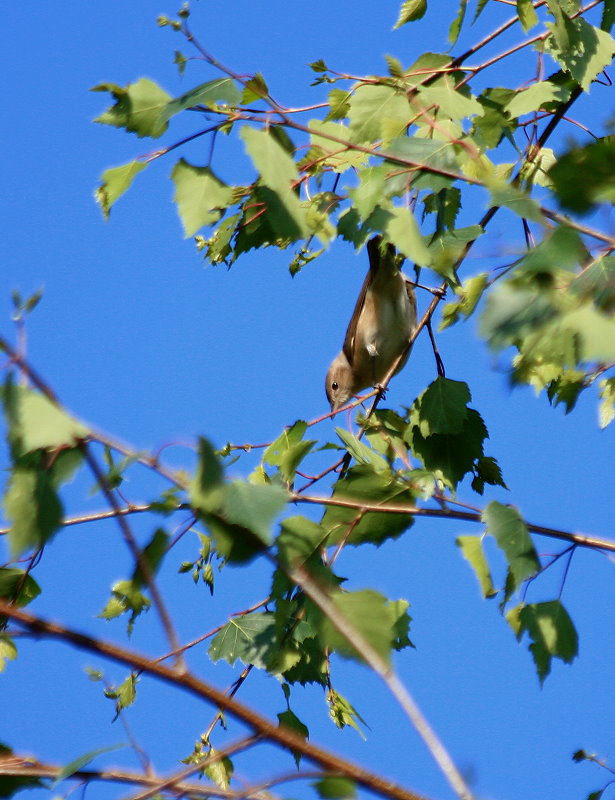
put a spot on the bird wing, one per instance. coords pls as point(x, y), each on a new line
point(376, 260)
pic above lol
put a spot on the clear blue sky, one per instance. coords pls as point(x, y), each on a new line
point(138, 338)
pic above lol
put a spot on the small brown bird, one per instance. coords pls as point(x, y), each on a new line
point(382, 322)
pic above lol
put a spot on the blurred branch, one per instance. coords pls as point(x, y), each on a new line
point(583, 540)
point(187, 681)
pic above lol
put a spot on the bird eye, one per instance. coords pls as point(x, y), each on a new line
point(334, 386)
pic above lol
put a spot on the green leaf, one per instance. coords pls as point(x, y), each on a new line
point(455, 28)
point(8, 652)
point(360, 451)
point(402, 230)
point(552, 633)
point(444, 407)
point(126, 597)
point(249, 638)
point(335, 788)
point(596, 163)
point(469, 293)
point(527, 15)
point(532, 99)
point(124, 694)
point(427, 153)
point(607, 405)
point(220, 771)
point(608, 15)
point(299, 540)
point(32, 505)
point(116, 181)
point(200, 196)
point(36, 423)
point(372, 107)
point(278, 172)
point(368, 613)
point(596, 332)
point(18, 587)
point(583, 52)
point(505, 195)
point(362, 484)
point(401, 624)
point(255, 89)
point(289, 450)
point(455, 104)
point(211, 94)
point(472, 550)
point(208, 478)
point(596, 283)
point(253, 507)
point(339, 104)
point(479, 9)
point(82, 761)
point(410, 10)
point(287, 719)
point(510, 532)
point(444, 433)
point(137, 107)
point(153, 554)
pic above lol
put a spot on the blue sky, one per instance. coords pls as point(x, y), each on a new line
point(138, 338)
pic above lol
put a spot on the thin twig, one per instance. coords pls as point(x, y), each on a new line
point(187, 681)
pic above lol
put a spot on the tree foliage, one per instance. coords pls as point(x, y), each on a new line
point(402, 154)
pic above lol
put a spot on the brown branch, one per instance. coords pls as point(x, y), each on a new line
point(281, 736)
point(581, 539)
point(26, 767)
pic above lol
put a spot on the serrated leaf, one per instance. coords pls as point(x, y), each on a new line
point(289, 449)
point(373, 105)
point(472, 550)
point(210, 94)
point(343, 713)
point(200, 196)
point(455, 28)
point(367, 613)
point(583, 52)
point(255, 89)
point(137, 107)
point(124, 693)
point(470, 293)
point(530, 100)
point(362, 484)
point(455, 104)
point(249, 638)
point(116, 181)
point(444, 406)
point(552, 632)
point(409, 11)
point(220, 771)
point(510, 532)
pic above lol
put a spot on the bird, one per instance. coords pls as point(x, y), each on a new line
point(379, 331)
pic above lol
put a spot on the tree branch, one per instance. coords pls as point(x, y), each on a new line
point(279, 735)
